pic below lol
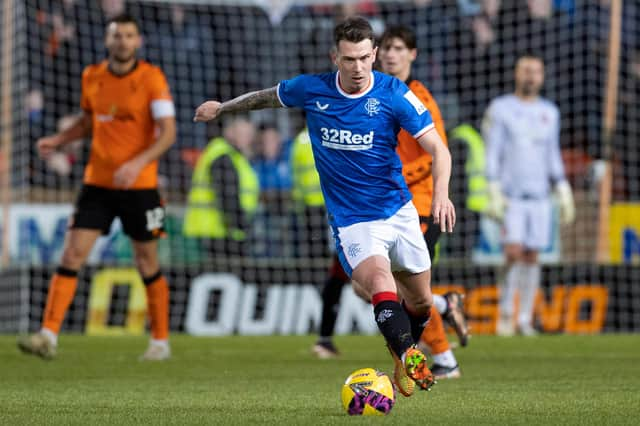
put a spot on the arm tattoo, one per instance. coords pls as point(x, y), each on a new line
point(267, 98)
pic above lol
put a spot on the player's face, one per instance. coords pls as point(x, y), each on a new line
point(396, 57)
point(355, 62)
point(529, 76)
point(122, 41)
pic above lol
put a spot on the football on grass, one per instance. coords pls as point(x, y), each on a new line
point(368, 392)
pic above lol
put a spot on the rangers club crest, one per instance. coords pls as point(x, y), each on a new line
point(372, 106)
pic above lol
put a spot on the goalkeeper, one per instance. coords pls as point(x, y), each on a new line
point(521, 131)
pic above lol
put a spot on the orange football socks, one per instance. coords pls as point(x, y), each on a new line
point(158, 305)
point(62, 288)
point(434, 335)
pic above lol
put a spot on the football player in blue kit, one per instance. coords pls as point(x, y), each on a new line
point(353, 116)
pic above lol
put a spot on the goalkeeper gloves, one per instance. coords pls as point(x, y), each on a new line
point(565, 200)
point(497, 202)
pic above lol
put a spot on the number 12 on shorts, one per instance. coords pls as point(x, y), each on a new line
point(155, 218)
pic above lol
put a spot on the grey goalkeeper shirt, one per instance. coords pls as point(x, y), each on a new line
point(522, 146)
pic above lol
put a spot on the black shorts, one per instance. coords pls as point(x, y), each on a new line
point(141, 211)
point(431, 233)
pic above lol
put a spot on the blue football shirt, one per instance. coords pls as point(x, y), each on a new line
point(354, 138)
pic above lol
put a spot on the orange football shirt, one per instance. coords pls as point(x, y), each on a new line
point(416, 162)
point(123, 125)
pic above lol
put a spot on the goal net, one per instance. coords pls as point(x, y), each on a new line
point(216, 49)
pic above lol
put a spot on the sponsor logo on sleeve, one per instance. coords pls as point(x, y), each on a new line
point(415, 102)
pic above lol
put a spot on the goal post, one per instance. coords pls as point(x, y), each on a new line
point(609, 128)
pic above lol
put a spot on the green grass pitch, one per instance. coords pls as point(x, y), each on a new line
point(550, 380)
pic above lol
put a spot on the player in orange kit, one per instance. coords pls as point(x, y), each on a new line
point(397, 52)
point(128, 110)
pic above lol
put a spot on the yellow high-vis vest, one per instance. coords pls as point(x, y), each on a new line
point(306, 181)
point(477, 197)
point(204, 217)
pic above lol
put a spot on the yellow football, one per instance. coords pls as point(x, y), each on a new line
point(368, 392)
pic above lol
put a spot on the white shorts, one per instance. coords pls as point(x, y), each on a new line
point(399, 239)
point(528, 222)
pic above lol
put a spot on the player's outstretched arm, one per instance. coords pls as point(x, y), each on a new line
point(442, 208)
point(267, 98)
point(79, 129)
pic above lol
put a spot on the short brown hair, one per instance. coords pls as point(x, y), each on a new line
point(353, 29)
point(405, 34)
point(124, 18)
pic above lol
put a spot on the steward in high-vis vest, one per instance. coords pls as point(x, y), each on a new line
point(224, 192)
point(468, 184)
point(311, 225)
point(474, 167)
point(306, 181)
